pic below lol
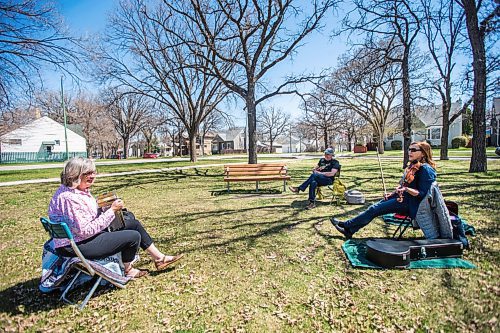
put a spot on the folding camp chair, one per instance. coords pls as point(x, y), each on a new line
point(407, 221)
point(335, 194)
point(88, 267)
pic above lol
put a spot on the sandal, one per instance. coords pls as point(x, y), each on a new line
point(137, 275)
point(163, 263)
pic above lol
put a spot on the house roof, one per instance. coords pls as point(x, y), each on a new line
point(432, 115)
point(37, 123)
point(231, 134)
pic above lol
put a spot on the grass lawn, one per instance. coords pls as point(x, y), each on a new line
point(258, 262)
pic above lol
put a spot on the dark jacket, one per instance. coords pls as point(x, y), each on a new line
point(422, 182)
point(432, 215)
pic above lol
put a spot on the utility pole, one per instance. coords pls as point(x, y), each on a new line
point(65, 121)
point(290, 149)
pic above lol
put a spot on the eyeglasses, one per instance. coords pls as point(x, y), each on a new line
point(92, 173)
point(414, 150)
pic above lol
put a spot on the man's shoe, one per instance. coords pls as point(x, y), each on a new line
point(294, 189)
point(311, 205)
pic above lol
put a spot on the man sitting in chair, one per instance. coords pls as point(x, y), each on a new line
point(322, 175)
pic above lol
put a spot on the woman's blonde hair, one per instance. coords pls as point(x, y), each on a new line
point(74, 169)
point(426, 150)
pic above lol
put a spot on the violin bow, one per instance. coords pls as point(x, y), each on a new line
point(381, 174)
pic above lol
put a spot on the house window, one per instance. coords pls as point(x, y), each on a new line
point(14, 142)
point(434, 133)
point(58, 142)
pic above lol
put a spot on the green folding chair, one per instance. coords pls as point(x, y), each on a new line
point(61, 230)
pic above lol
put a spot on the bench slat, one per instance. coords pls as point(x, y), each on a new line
point(255, 179)
point(264, 165)
point(255, 172)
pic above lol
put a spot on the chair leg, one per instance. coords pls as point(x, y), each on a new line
point(401, 229)
point(91, 292)
point(68, 288)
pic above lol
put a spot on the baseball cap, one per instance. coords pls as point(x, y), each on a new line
point(329, 151)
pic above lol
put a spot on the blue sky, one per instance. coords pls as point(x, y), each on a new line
point(89, 17)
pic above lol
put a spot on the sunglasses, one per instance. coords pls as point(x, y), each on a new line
point(414, 150)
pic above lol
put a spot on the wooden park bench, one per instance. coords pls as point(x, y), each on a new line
point(256, 173)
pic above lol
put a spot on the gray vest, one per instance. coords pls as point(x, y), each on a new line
point(432, 215)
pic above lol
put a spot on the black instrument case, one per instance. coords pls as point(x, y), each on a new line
point(389, 253)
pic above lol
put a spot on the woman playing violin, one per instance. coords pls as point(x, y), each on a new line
point(413, 187)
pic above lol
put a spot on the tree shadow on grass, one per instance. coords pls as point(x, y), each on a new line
point(26, 298)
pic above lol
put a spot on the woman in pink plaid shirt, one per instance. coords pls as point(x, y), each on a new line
point(73, 203)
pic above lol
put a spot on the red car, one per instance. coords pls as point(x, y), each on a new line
point(150, 155)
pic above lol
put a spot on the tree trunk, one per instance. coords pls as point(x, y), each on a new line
point(445, 132)
point(325, 137)
point(125, 147)
point(252, 126)
point(478, 161)
point(202, 145)
point(406, 106)
point(270, 142)
point(380, 141)
point(192, 146)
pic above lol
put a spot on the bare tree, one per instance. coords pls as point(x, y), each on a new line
point(368, 86)
point(251, 38)
point(397, 22)
point(477, 31)
point(322, 114)
point(214, 121)
point(128, 112)
point(152, 124)
point(31, 36)
point(90, 114)
point(273, 123)
point(442, 25)
point(351, 124)
point(145, 52)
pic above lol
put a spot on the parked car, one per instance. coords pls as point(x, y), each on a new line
point(150, 155)
point(497, 151)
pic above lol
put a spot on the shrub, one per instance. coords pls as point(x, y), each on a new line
point(396, 145)
point(459, 141)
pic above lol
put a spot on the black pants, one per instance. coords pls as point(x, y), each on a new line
point(104, 244)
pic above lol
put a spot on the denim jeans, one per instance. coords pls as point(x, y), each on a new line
point(380, 208)
point(315, 180)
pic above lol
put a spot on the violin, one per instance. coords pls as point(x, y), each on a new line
point(408, 177)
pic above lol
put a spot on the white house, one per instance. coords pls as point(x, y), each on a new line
point(427, 125)
point(43, 136)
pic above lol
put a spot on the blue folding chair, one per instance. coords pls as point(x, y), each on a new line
point(61, 230)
